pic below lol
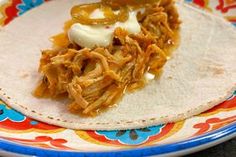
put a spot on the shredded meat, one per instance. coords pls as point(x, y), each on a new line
point(97, 78)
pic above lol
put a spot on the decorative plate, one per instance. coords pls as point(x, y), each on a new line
point(22, 135)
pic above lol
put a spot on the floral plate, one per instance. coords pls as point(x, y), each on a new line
point(22, 135)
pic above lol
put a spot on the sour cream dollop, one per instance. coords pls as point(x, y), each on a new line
point(149, 76)
point(101, 35)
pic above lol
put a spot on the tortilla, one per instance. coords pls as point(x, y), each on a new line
point(200, 74)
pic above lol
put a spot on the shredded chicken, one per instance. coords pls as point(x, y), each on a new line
point(94, 79)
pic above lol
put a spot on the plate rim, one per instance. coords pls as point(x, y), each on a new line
point(165, 149)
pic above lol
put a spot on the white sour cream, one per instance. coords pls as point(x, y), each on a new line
point(101, 35)
point(149, 76)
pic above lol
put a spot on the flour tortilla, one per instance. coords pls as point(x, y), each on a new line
point(200, 75)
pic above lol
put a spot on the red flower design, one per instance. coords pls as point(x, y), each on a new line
point(12, 11)
point(42, 141)
point(200, 3)
point(28, 125)
point(225, 5)
point(212, 124)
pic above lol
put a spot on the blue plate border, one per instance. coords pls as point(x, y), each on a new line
point(217, 135)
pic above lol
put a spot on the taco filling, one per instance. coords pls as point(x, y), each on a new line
point(108, 48)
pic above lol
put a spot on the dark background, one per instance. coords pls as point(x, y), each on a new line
point(226, 149)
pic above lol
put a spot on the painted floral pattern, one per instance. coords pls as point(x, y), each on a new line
point(212, 124)
point(132, 137)
point(15, 122)
point(21, 129)
point(42, 141)
point(10, 114)
point(27, 5)
point(225, 8)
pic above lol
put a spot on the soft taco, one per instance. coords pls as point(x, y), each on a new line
point(112, 67)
